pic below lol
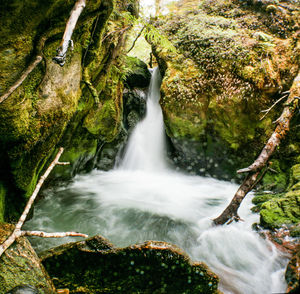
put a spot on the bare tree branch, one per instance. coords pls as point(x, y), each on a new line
point(17, 231)
point(19, 82)
point(283, 124)
point(230, 212)
point(270, 108)
point(53, 235)
point(66, 42)
point(117, 31)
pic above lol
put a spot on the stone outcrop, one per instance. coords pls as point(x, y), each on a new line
point(96, 266)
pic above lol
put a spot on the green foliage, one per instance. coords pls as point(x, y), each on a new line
point(154, 36)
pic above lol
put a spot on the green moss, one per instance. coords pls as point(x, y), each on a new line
point(19, 265)
point(285, 210)
point(104, 121)
point(275, 180)
point(179, 127)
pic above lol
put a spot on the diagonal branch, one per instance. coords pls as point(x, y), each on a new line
point(52, 235)
point(283, 124)
point(19, 82)
point(17, 231)
point(66, 42)
point(254, 169)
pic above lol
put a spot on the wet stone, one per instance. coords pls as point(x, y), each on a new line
point(96, 266)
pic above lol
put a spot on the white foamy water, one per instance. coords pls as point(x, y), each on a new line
point(144, 200)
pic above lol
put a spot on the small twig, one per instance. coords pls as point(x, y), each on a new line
point(19, 82)
point(116, 31)
point(270, 108)
point(139, 34)
point(17, 231)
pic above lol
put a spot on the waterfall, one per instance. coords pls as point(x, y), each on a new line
point(145, 149)
point(143, 199)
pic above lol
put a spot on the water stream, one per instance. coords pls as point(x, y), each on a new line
point(143, 199)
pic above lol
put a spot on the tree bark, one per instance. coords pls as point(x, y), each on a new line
point(283, 123)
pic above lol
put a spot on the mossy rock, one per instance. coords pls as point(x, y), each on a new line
point(231, 63)
point(137, 73)
point(19, 265)
point(53, 101)
point(281, 211)
point(95, 265)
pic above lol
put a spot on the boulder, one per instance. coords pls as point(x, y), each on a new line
point(96, 266)
point(138, 75)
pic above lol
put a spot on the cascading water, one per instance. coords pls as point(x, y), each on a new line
point(143, 199)
point(145, 150)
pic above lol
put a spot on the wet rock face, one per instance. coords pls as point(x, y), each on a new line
point(95, 265)
point(19, 265)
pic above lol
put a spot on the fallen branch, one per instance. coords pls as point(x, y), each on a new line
point(66, 42)
point(283, 123)
point(53, 235)
point(19, 82)
point(17, 231)
point(230, 212)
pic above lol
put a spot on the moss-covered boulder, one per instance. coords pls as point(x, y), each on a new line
point(96, 266)
point(234, 59)
point(284, 210)
point(138, 75)
point(19, 265)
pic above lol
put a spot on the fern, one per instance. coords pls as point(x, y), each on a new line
point(151, 34)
